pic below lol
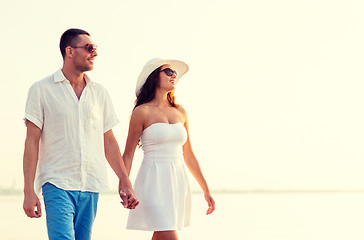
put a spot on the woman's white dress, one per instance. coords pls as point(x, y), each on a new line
point(161, 185)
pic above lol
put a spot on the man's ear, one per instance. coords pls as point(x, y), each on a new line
point(69, 52)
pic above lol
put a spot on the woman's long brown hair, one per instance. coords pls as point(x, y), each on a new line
point(147, 92)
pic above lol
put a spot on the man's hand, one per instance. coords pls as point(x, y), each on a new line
point(31, 205)
point(116, 162)
point(128, 198)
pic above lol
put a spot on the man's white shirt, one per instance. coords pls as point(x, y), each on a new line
point(71, 153)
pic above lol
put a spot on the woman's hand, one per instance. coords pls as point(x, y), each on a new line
point(210, 201)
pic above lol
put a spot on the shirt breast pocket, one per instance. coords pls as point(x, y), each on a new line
point(96, 118)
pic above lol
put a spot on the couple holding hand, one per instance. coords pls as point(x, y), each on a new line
point(69, 120)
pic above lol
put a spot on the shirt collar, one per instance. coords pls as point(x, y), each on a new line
point(59, 77)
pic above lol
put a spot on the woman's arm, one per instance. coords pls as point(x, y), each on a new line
point(136, 127)
point(192, 163)
point(195, 169)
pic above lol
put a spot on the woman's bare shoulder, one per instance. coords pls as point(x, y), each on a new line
point(182, 110)
point(139, 111)
point(142, 108)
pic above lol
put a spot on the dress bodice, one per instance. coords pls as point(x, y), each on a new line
point(163, 141)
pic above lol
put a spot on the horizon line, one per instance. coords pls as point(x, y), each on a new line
point(229, 191)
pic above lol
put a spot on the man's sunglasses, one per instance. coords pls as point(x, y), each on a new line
point(90, 48)
point(169, 72)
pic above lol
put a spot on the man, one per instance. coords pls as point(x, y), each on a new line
point(69, 121)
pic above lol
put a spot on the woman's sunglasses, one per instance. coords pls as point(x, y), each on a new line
point(90, 48)
point(169, 72)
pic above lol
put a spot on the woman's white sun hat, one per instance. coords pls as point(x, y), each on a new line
point(180, 67)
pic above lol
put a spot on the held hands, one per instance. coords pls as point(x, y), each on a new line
point(31, 205)
point(128, 198)
point(210, 201)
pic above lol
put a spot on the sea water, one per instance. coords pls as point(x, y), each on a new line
point(245, 216)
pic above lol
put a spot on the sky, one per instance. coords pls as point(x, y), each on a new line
point(274, 92)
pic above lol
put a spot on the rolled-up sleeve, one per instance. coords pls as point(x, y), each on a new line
point(110, 118)
point(33, 107)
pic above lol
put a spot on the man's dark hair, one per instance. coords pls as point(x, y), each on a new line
point(69, 38)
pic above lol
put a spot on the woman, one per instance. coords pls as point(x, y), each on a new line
point(161, 125)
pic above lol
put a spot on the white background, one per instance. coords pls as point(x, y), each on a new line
point(274, 91)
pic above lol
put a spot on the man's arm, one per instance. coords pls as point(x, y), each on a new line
point(31, 204)
point(113, 156)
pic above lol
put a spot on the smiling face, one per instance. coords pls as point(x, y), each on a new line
point(167, 82)
point(82, 59)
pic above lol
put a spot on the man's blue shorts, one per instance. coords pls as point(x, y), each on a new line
point(70, 214)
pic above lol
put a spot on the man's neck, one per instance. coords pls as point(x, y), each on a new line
point(75, 77)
